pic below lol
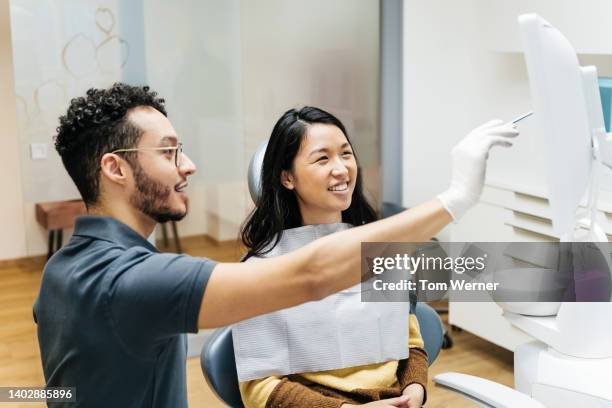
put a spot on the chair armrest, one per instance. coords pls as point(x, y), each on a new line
point(484, 392)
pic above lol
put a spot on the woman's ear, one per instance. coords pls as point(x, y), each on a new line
point(287, 180)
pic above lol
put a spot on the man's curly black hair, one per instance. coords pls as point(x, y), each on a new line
point(97, 124)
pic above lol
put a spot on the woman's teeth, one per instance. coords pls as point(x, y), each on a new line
point(339, 187)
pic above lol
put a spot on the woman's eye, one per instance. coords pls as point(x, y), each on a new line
point(168, 152)
point(322, 158)
point(347, 153)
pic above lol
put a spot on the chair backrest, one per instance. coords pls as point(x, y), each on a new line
point(432, 330)
point(219, 364)
point(219, 367)
point(254, 172)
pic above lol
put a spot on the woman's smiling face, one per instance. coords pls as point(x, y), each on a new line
point(323, 174)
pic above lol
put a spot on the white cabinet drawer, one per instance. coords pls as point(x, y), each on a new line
point(530, 223)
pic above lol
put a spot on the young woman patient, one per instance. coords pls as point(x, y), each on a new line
point(310, 176)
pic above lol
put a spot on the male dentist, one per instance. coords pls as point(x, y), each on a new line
point(112, 311)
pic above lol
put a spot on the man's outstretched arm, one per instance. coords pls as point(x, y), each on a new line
point(237, 291)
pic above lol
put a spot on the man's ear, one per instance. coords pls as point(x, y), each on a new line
point(287, 180)
point(113, 168)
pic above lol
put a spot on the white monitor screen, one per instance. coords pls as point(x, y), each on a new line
point(561, 112)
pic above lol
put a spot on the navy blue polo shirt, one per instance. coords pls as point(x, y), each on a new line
point(112, 314)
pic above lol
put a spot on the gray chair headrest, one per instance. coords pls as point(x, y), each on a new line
point(254, 173)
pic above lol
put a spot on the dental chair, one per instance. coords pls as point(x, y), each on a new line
point(217, 357)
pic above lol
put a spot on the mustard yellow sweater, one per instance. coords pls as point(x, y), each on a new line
point(332, 388)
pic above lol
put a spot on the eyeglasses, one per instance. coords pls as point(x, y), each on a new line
point(177, 151)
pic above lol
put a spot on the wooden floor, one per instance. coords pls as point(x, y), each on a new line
point(20, 359)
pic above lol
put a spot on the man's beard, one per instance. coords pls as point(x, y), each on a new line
point(151, 198)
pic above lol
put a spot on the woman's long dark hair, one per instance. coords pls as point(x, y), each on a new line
point(277, 208)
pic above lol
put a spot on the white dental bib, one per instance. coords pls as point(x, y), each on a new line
point(338, 331)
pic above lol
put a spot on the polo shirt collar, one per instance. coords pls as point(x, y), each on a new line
point(110, 229)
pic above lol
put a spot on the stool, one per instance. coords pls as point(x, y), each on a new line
point(55, 216)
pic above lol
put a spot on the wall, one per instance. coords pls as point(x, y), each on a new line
point(13, 236)
point(193, 58)
point(224, 69)
point(441, 92)
point(234, 75)
point(325, 55)
point(83, 47)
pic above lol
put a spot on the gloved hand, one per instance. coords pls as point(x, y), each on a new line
point(469, 162)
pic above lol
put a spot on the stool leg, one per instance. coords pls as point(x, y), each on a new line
point(50, 244)
point(177, 241)
point(60, 239)
point(164, 235)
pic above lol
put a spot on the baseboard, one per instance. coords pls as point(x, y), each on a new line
point(25, 262)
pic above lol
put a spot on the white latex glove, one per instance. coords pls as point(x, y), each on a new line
point(469, 162)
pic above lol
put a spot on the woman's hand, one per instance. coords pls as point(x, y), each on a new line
point(399, 402)
point(416, 394)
